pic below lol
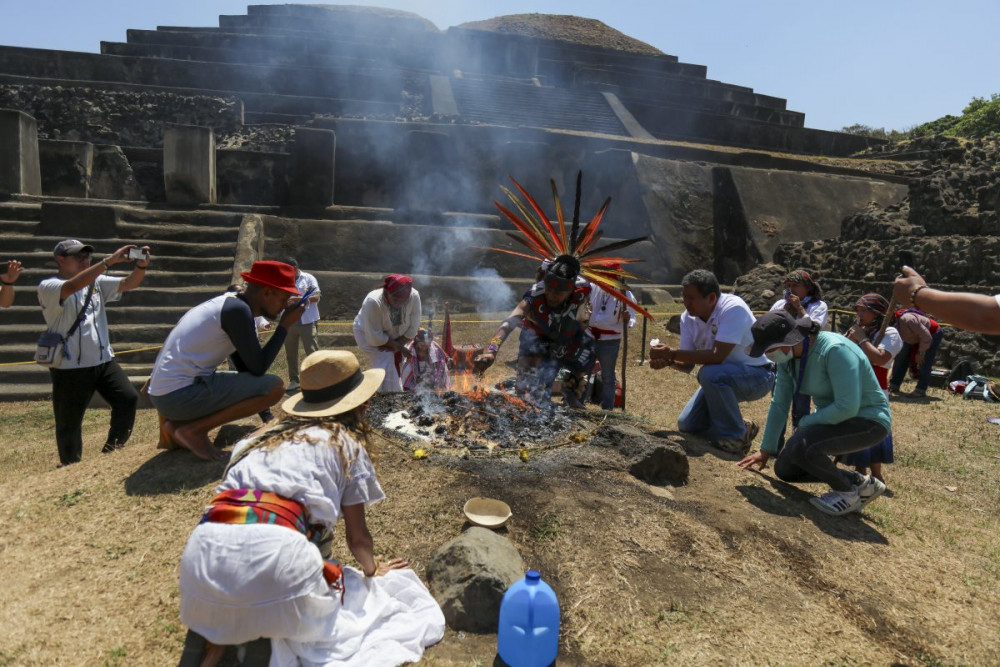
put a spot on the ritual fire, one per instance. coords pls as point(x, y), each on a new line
point(478, 420)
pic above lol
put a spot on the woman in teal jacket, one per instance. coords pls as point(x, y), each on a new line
point(851, 412)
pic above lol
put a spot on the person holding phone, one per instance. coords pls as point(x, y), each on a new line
point(7, 280)
point(803, 297)
point(80, 292)
point(305, 330)
point(191, 396)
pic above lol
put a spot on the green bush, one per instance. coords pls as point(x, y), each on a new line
point(980, 118)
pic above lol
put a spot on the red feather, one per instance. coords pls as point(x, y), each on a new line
point(588, 233)
point(524, 229)
point(541, 214)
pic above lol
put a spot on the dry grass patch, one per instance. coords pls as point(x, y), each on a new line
point(732, 568)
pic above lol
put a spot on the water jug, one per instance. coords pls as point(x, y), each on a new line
point(528, 635)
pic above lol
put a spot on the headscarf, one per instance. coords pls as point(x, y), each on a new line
point(398, 285)
point(877, 304)
point(802, 277)
point(424, 335)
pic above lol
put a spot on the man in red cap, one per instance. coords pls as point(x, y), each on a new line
point(185, 387)
point(389, 319)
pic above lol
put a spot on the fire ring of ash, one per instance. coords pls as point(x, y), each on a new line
point(479, 422)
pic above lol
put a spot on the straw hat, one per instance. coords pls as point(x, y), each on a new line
point(332, 383)
point(487, 512)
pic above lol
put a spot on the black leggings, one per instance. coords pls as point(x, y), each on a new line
point(808, 455)
point(72, 390)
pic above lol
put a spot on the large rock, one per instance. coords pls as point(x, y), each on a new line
point(652, 459)
point(469, 575)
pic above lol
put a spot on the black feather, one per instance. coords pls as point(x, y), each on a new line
point(576, 214)
point(617, 245)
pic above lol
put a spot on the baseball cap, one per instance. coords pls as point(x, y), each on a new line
point(71, 247)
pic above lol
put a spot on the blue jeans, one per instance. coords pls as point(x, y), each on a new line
point(607, 354)
point(902, 363)
point(714, 410)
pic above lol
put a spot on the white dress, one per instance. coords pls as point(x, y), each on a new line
point(239, 582)
point(376, 323)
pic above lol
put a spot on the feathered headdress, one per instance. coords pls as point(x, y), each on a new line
point(539, 236)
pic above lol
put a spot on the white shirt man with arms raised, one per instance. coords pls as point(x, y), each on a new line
point(715, 332)
point(80, 292)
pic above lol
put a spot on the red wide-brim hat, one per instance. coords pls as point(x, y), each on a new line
point(272, 274)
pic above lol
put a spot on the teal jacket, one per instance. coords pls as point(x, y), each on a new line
point(842, 385)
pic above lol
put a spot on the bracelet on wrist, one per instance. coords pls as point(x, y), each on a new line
point(104, 261)
point(913, 295)
point(139, 268)
point(6, 283)
point(492, 348)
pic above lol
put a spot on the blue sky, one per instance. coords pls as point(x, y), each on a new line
point(884, 63)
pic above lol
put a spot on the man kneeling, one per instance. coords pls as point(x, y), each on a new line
point(185, 387)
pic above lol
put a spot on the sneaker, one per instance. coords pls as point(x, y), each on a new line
point(870, 489)
point(893, 388)
point(918, 393)
point(292, 388)
point(112, 447)
point(752, 431)
point(837, 503)
point(738, 446)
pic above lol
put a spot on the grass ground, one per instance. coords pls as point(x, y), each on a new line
point(733, 568)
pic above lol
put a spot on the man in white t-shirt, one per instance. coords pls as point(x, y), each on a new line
point(715, 333)
point(305, 330)
point(80, 292)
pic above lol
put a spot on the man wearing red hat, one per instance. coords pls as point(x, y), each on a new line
point(389, 319)
point(185, 387)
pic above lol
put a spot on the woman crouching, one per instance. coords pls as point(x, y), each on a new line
point(253, 568)
point(851, 412)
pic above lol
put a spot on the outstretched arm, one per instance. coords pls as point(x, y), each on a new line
point(513, 321)
point(974, 312)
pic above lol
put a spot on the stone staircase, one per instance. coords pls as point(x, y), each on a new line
point(192, 261)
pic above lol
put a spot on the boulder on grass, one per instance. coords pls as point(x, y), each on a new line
point(469, 575)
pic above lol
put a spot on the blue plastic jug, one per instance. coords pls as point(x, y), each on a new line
point(528, 635)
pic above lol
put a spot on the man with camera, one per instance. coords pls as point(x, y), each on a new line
point(7, 280)
point(73, 305)
point(190, 395)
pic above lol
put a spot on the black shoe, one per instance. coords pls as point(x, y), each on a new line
point(266, 416)
point(111, 447)
point(293, 388)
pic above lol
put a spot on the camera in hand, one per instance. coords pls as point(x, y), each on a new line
point(137, 253)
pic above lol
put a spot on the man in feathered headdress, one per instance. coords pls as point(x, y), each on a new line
point(552, 316)
point(553, 313)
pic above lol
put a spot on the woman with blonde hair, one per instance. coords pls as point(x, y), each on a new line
point(254, 567)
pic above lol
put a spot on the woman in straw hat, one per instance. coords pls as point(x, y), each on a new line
point(253, 566)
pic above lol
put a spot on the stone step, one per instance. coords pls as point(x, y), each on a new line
point(160, 274)
point(42, 391)
point(120, 313)
point(262, 47)
point(130, 335)
point(24, 353)
point(20, 212)
point(38, 246)
point(145, 296)
point(263, 102)
point(383, 85)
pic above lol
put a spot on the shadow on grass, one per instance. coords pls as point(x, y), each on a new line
point(180, 470)
point(694, 445)
point(787, 500)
